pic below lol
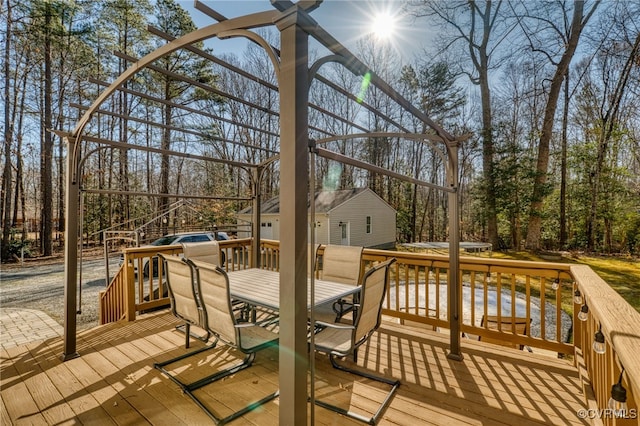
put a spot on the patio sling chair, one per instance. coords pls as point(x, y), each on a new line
point(184, 304)
point(208, 251)
point(342, 264)
point(342, 340)
point(312, 258)
point(517, 325)
point(248, 338)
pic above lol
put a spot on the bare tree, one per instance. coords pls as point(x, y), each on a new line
point(617, 60)
point(534, 25)
point(46, 178)
point(476, 30)
point(5, 201)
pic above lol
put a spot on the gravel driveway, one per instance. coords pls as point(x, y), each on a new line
point(40, 285)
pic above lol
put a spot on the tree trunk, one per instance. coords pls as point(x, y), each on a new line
point(534, 231)
point(20, 196)
point(414, 201)
point(607, 127)
point(563, 165)
point(47, 151)
point(164, 166)
point(5, 201)
point(488, 148)
point(487, 160)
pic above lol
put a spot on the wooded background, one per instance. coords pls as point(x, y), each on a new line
point(549, 91)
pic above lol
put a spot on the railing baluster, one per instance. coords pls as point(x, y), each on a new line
point(436, 271)
point(485, 290)
point(543, 309)
point(528, 302)
point(513, 304)
point(472, 289)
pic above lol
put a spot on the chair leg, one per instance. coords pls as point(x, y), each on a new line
point(160, 365)
point(185, 328)
point(234, 415)
point(187, 333)
point(189, 388)
point(246, 362)
point(369, 420)
point(342, 307)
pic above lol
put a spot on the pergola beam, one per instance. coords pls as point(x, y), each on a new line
point(220, 18)
point(148, 194)
point(331, 155)
point(204, 136)
point(268, 85)
point(187, 108)
point(201, 85)
point(123, 145)
point(226, 95)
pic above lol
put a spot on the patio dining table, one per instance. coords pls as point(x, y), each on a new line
point(261, 287)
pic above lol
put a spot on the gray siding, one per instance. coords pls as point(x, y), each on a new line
point(355, 211)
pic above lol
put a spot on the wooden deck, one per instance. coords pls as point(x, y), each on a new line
point(114, 382)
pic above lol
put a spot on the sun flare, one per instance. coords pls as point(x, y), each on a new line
point(383, 25)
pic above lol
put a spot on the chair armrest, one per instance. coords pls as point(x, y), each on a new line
point(335, 325)
point(268, 321)
point(245, 325)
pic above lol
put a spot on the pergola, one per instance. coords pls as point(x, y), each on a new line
point(295, 75)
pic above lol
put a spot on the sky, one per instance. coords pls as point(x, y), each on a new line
point(347, 21)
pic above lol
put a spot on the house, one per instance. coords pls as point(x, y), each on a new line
point(357, 217)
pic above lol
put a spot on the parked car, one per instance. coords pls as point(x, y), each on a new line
point(185, 237)
point(190, 237)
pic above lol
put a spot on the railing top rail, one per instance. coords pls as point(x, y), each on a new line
point(620, 322)
point(474, 260)
point(153, 249)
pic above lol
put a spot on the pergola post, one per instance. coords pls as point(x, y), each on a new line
point(294, 166)
point(256, 174)
point(71, 253)
point(454, 293)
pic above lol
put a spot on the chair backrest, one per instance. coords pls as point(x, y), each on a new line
point(508, 324)
point(181, 292)
point(312, 258)
point(342, 264)
point(208, 251)
point(374, 288)
point(213, 288)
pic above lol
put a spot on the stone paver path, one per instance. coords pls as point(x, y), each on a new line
point(22, 326)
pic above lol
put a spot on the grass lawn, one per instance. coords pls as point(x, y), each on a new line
point(622, 273)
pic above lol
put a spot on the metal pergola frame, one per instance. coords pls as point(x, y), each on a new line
point(295, 76)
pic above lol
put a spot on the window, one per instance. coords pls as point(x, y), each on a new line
point(195, 239)
point(368, 224)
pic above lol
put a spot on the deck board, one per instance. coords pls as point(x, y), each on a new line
point(114, 382)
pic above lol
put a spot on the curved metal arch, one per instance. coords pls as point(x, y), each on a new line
point(259, 19)
point(256, 177)
point(313, 71)
point(119, 145)
point(260, 41)
point(430, 139)
point(362, 71)
point(269, 160)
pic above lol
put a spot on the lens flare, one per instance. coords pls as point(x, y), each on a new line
point(366, 80)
